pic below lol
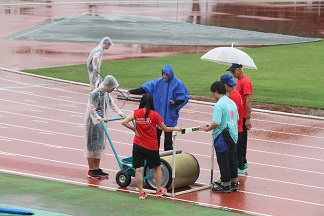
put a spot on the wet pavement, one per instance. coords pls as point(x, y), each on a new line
point(284, 152)
point(64, 32)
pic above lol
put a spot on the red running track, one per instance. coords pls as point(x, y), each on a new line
point(41, 131)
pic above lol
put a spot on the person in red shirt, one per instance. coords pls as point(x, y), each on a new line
point(145, 144)
point(235, 96)
point(244, 87)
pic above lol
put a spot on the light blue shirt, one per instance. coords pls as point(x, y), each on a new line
point(226, 116)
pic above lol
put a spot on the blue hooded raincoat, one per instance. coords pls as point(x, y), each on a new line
point(164, 91)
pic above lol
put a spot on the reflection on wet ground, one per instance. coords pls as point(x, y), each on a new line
point(301, 19)
point(294, 18)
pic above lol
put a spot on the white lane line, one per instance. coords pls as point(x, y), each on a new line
point(38, 106)
point(49, 25)
point(182, 110)
point(285, 123)
point(183, 140)
point(48, 97)
point(288, 155)
point(121, 156)
point(294, 134)
point(78, 116)
point(199, 155)
point(33, 101)
point(283, 198)
point(40, 121)
point(200, 103)
point(68, 105)
point(43, 131)
point(126, 190)
point(59, 82)
point(80, 165)
point(285, 143)
point(33, 110)
point(47, 133)
point(62, 96)
point(7, 140)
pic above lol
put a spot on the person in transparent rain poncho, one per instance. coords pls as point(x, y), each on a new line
point(94, 62)
point(100, 106)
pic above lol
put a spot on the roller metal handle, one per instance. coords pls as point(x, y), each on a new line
point(115, 119)
point(187, 130)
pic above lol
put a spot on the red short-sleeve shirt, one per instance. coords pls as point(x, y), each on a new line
point(244, 87)
point(147, 129)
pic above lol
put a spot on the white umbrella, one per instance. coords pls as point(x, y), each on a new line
point(229, 55)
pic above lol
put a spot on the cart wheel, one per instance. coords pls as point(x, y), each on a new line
point(123, 178)
point(166, 175)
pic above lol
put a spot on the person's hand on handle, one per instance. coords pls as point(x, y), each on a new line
point(248, 124)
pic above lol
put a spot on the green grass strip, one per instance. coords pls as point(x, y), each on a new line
point(288, 74)
point(72, 199)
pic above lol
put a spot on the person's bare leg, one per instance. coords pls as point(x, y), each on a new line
point(91, 163)
point(96, 163)
point(158, 177)
point(139, 179)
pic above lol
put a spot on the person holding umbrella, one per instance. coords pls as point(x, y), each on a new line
point(94, 61)
point(244, 87)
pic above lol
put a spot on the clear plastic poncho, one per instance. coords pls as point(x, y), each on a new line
point(94, 62)
point(100, 105)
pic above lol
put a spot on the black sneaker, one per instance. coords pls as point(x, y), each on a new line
point(219, 182)
point(93, 174)
point(234, 186)
point(221, 189)
point(101, 173)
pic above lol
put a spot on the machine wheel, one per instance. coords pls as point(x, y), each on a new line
point(166, 175)
point(123, 178)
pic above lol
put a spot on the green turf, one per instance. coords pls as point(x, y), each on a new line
point(43, 195)
point(287, 74)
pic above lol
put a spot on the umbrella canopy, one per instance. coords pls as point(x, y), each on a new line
point(229, 55)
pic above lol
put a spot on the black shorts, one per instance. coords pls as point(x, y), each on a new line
point(141, 154)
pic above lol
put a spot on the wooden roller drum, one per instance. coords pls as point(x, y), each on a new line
point(186, 171)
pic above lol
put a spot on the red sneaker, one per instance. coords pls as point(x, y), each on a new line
point(142, 195)
point(161, 192)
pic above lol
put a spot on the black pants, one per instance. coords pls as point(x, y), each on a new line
point(168, 144)
point(242, 147)
point(227, 160)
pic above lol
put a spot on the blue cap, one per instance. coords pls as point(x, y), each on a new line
point(234, 66)
point(228, 79)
